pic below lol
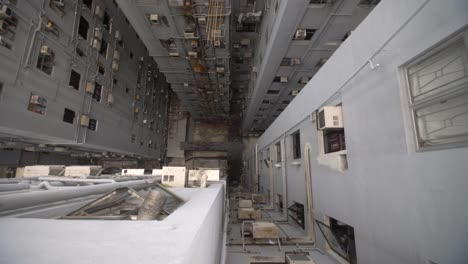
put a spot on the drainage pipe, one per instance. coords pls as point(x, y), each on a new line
point(152, 206)
point(310, 201)
point(29, 199)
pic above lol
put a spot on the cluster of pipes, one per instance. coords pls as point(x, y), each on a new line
point(30, 192)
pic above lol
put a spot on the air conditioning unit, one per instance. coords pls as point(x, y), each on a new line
point(5, 12)
point(136, 110)
point(99, 11)
point(236, 45)
point(189, 35)
point(84, 120)
point(154, 19)
point(178, 3)
point(4, 26)
point(58, 3)
point(45, 50)
point(254, 69)
point(284, 79)
point(50, 26)
point(110, 99)
point(194, 43)
point(98, 33)
point(217, 43)
point(304, 80)
point(116, 55)
point(329, 117)
point(96, 43)
point(299, 259)
point(295, 61)
point(90, 87)
point(173, 54)
point(202, 20)
point(117, 35)
point(245, 42)
point(193, 54)
point(294, 92)
point(300, 34)
point(115, 65)
point(220, 69)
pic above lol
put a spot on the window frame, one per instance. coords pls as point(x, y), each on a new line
point(296, 145)
point(412, 106)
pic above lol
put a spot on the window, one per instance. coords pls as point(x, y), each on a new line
point(265, 102)
point(133, 138)
point(37, 104)
point(103, 48)
point(1, 90)
point(285, 102)
point(68, 116)
point(45, 61)
point(438, 87)
point(286, 62)
point(278, 152)
point(273, 92)
point(97, 92)
point(92, 124)
point(296, 142)
point(75, 79)
point(83, 28)
point(114, 81)
point(340, 238)
point(127, 90)
point(171, 178)
point(88, 3)
point(101, 69)
point(79, 52)
point(106, 22)
point(304, 34)
point(131, 55)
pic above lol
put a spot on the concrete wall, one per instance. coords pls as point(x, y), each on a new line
point(116, 121)
point(405, 206)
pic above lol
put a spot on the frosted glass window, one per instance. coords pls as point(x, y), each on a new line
point(438, 87)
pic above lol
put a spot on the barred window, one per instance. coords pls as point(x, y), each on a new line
point(438, 89)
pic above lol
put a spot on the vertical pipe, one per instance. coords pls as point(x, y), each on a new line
point(285, 182)
point(310, 201)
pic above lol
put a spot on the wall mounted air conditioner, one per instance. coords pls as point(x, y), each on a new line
point(98, 33)
point(329, 117)
point(193, 54)
point(217, 43)
point(137, 110)
point(202, 20)
point(99, 11)
point(110, 99)
point(294, 92)
point(295, 61)
point(154, 19)
point(220, 69)
point(116, 55)
point(300, 34)
point(194, 43)
point(90, 85)
point(115, 65)
point(284, 79)
point(96, 43)
point(5, 12)
point(45, 50)
point(304, 80)
point(117, 35)
point(84, 120)
point(174, 54)
point(245, 42)
point(50, 26)
point(189, 35)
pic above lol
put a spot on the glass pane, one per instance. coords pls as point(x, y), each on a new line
point(331, 239)
point(443, 122)
point(442, 71)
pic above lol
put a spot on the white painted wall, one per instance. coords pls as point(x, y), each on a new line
point(405, 206)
